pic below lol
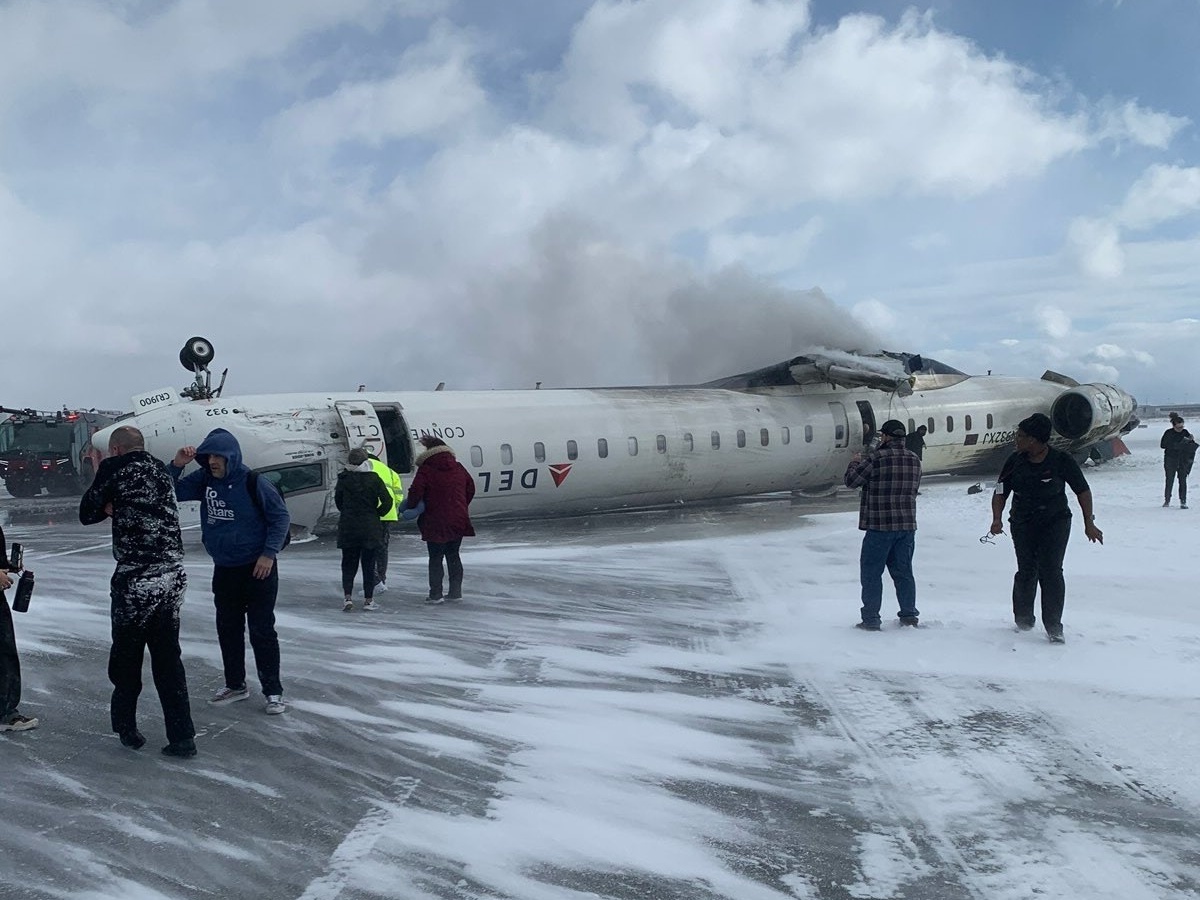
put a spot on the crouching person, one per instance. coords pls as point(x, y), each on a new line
point(147, 587)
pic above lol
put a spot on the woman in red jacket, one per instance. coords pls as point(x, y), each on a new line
point(447, 489)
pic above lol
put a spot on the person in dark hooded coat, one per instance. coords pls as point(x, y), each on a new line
point(361, 498)
point(446, 489)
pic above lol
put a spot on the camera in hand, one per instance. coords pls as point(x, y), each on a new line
point(16, 558)
point(24, 592)
point(876, 441)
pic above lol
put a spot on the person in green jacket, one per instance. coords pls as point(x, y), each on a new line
point(392, 482)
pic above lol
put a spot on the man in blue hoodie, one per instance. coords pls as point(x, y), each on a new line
point(243, 534)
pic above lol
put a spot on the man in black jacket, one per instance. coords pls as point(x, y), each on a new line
point(1179, 451)
point(147, 587)
point(10, 665)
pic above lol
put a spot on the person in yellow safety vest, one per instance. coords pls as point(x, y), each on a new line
point(392, 481)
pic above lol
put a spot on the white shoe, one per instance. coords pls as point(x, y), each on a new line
point(18, 722)
point(371, 605)
point(381, 587)
point(275, 705)
point(229, 695)
point(348, 605)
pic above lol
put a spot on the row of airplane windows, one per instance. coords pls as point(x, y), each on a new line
point(689, 443)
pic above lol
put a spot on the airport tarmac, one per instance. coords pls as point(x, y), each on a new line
point(598, 718)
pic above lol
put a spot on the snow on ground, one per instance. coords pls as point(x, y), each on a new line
point(657, 706)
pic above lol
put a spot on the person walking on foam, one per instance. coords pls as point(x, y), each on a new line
point(244, 524)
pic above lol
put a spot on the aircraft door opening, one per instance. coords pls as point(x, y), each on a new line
point(362, 426)
point(868, 420)
point(395, 439)
point(841, 425)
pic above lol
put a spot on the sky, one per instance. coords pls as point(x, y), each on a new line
point(403, 192)
point(667, 704)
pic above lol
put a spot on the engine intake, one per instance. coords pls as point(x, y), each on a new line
point(1092, 412)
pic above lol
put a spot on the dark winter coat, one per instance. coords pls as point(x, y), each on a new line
point(236, 529)
point(361, 498)
point(1179, 449)
point(447, 489)
point(145, 534)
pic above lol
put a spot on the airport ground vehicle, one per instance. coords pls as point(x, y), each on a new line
point(50, 450)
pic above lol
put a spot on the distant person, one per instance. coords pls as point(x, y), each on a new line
point(390, 518)
point(147, 587)
point(887, 511)
point(244, 524)
point(916, 442)
point(361, 498)
point(10, 665)
point(1179, 452)
point(446, 489)
point(1037, 475)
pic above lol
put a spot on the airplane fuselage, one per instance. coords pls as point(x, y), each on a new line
point(571, 451)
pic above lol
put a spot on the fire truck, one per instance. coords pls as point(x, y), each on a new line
point(50, 450)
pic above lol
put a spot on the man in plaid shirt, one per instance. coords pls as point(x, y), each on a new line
point(889, 477)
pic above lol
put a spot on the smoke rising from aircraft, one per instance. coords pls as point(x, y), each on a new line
point(587, 310)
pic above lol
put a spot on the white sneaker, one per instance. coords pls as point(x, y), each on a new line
point(381, 587)
point(18, 722)
point(371, 605)
point(348, 606)
point(229, 695)
point(275, 705)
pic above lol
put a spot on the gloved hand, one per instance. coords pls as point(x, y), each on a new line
point(409, 514)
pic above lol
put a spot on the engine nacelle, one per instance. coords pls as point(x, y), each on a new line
point(1092, 412)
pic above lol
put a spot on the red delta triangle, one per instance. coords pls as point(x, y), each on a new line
point(560, 472)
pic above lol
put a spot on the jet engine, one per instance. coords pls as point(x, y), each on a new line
point(1089, 413)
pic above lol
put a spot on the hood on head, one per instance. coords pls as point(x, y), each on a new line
point(222, 443)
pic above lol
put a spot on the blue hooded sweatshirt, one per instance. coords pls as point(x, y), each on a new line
point(236, 530)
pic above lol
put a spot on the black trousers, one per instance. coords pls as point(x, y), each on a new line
point(381, 555)
point(1040, 547)
point(352, 558)
point(245, 603)
point(1176, 469)
point(448, 552)
point(10, 665)
point(159, 633)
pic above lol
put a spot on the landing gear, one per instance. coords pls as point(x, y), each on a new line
point(197, 353)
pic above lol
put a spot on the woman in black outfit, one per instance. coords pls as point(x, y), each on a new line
point(361, 498)
point(1179, 451)
point(1037, 476)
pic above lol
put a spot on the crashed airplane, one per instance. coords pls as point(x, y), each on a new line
point(788, 427)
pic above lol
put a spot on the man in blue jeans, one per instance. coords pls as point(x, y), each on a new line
point(889, 475)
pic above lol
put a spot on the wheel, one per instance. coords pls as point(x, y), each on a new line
point(196, 352)
point(23, 489)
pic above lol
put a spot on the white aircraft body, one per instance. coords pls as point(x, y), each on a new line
point(790, 427)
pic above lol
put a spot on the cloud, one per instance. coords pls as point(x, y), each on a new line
point(1130, 122)
point(1052, 322)
point(1095, 245)
point(1161, 194)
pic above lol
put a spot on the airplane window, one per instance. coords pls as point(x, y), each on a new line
point(912, 426)
point(949, 424)
point(476, 456)
point(506, 454)
point(967, 422)
point(660, 443)
point(539, 452)
point(294, 479)
point(839, 433)
point(930, 425)
point(808, 434)
point(601, 448)
point(572, 450)
point(989, 421)
point(716, 440)
point(741, 438)
point(633, 446)
point(764, 436)
point(687, 442)
point(787, 434)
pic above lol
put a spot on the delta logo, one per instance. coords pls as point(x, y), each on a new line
point(560, 472)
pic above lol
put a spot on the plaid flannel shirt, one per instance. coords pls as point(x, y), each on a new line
point(889, 478)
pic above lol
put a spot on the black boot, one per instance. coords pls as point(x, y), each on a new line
point(132, 738)
point(182, 749)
